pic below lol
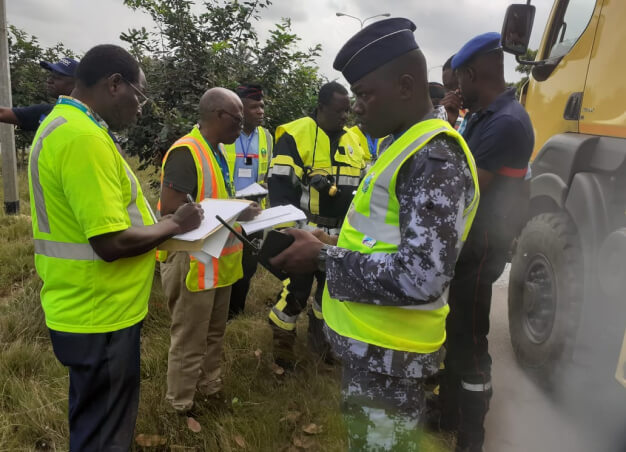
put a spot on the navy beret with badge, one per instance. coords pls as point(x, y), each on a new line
point(478, 45)
point(373, 46)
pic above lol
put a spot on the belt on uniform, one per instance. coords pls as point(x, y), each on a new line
point(325, 221)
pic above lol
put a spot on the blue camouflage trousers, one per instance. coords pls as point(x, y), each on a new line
point(381, 412)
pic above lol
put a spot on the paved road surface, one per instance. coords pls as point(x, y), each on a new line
point(521, 418)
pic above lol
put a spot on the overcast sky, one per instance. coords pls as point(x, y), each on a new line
point(443, 26)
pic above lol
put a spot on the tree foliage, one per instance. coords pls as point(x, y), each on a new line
point(27, 77)
point(192, 51)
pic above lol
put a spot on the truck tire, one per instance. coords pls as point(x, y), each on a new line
point(545, 293)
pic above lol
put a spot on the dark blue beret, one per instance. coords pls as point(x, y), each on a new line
point(374, 46)
point(480, 44)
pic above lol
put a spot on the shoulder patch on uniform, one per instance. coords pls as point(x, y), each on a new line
point(437, 153)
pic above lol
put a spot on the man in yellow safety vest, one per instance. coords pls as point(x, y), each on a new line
point(386, 280)
point(94, 236)
point(198, 294)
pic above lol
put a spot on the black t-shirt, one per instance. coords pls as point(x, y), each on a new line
point(30, 117)
point(180, 171)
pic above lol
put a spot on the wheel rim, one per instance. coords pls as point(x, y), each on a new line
point(539, 299)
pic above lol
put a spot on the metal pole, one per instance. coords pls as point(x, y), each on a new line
point(7, 137)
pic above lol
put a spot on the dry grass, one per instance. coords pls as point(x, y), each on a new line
point(33, 385)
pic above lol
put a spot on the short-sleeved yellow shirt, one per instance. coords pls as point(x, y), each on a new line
point(81, 187)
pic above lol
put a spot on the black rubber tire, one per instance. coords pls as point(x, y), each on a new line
point(548, 245)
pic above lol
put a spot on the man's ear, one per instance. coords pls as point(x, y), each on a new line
point(406, 86)
point(114, 83)
point(471, 73)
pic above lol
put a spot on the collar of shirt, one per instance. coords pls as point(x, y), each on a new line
point(95, 117)
point(498, 104)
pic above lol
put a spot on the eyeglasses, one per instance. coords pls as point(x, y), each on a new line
point(238, 119)
point(139, 93)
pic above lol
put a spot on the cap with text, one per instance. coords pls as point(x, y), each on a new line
point(65, 66)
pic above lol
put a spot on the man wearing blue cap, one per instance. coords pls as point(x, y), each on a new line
point(500, 135)
point(385, 298)
point(60, 82)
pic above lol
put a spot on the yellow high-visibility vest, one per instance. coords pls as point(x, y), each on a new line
point(372, 226)
point(210, 184)
point(81, 187)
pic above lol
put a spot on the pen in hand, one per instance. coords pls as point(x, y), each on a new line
point(189, 199)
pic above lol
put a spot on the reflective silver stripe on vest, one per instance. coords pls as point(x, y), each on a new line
point(61, 250)
point(43, 223)
point(284, 317)
point(437, 304)
point(305, 198)
point(375, 226)
point(209, 282)
point(473, 387)
point(133, 211)
point(281, 170)
point(270, 143)
point(352, 181)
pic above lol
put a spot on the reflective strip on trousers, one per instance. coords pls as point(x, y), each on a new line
point(476, 387)
point(437, 304)
point(375, 226)
point(284, 317)
point(43, 223)
point(61, 250)
point(317, 310)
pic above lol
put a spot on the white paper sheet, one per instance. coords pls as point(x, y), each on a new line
point(251, 190)
point(225, 208)
point(271, 217)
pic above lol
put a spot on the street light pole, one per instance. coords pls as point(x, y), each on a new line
point(362, 22)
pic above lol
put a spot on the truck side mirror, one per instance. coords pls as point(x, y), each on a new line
point(518, 24)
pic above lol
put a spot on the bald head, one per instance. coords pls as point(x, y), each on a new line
point(221, 116)
point(395, 96)
point(215, 99)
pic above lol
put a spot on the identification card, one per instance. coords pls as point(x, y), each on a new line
point(244, 172)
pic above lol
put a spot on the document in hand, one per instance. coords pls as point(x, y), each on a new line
point(251, 191)
point(271, 217)
point(229, 209)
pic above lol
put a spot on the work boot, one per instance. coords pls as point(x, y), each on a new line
point(283, 347)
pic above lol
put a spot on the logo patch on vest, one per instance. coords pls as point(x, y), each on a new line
point(369, 242)
point(263, 152)
point(366, 183)
point(350, 150)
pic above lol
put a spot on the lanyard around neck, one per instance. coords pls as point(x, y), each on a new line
point(66, 100)
point(221, 161)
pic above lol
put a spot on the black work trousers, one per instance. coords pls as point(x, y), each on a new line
point(466, 389)
point(104, 386)
point(240, 289)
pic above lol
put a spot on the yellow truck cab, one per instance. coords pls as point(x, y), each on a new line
point(567, 288)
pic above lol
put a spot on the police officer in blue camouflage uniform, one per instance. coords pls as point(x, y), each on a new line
point(386, 280)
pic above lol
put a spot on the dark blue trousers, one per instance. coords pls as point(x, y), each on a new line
point(104, 387)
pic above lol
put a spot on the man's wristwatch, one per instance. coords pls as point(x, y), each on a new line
point(322, 257)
